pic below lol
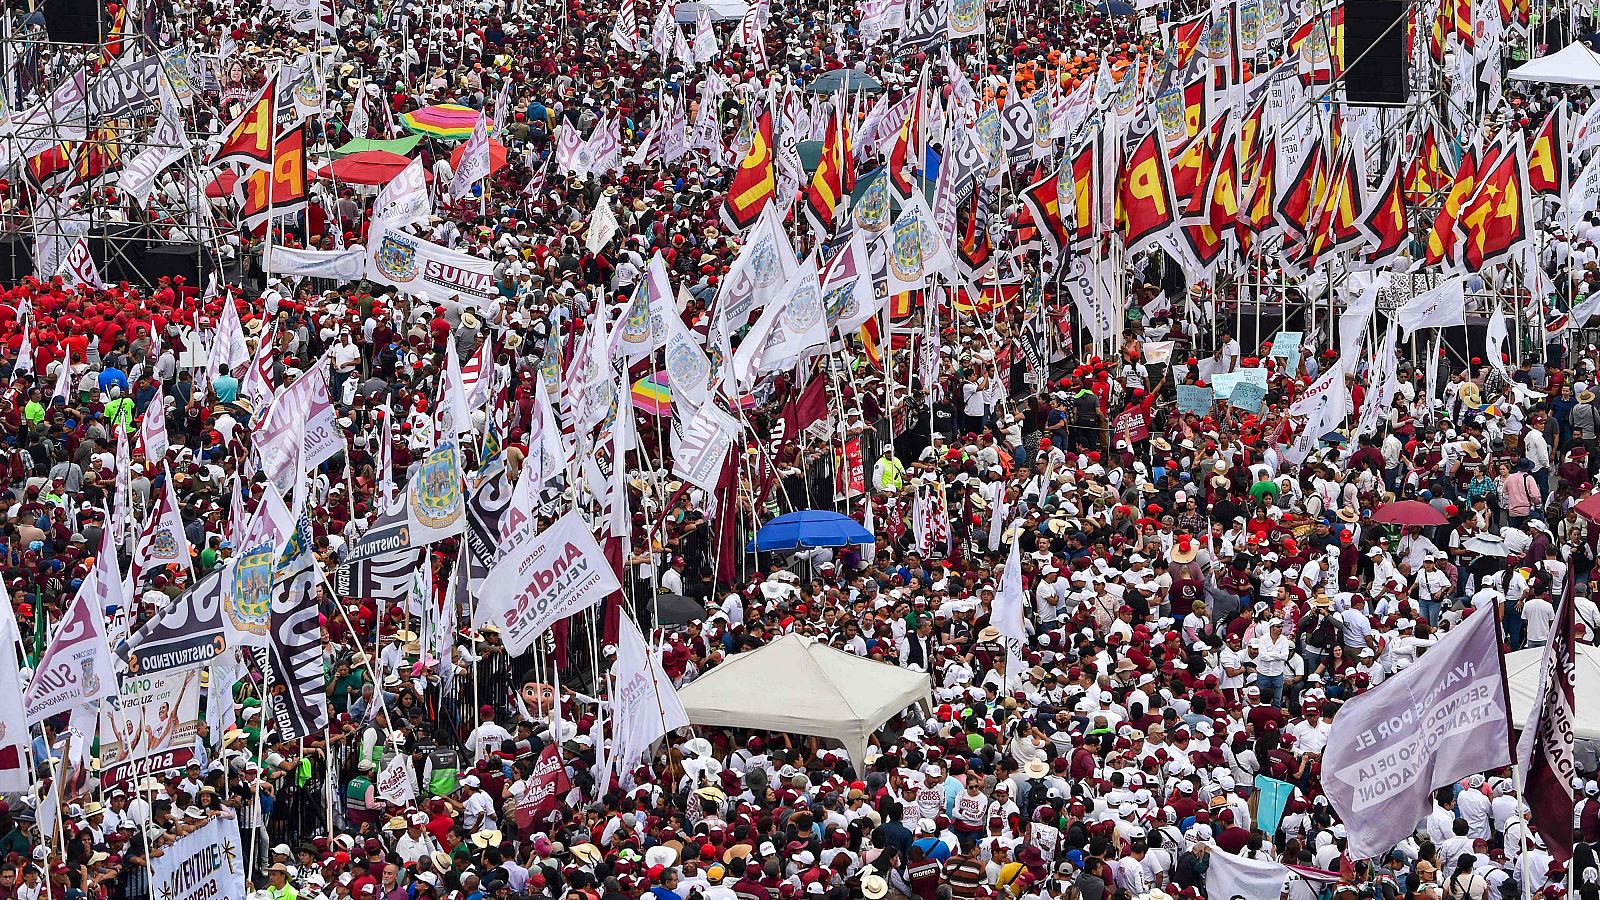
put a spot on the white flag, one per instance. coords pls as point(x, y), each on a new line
point(77, 668)
point(602, 227)
point(13, 741)
point(163, 541)
point(153, 429)
point(645, 705)
point(1428, 726)
point(63, 388)
point(474, 160)
point(787, 328)
point(700, 445)
point(397, 783)
point(229, 347)
point(404, 201)
point(1440, 307)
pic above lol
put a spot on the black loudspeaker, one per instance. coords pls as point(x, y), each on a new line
point(1375, 52)
point(74, 21)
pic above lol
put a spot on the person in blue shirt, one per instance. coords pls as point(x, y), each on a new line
point(111, 375)
point(225, 386)
point(666, 885)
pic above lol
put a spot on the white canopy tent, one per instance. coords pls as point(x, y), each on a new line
point(1522, 679)
point(799, 686)
point(721, 10)
point(1573, 64)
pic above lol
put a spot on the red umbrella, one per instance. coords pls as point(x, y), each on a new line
point(1409, 512)
point(497, 156)
point(1589, 507)
point(366, 167)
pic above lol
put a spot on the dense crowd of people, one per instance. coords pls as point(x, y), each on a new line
point(1199, 606)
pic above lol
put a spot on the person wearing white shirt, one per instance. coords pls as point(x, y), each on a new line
point(477, 811)
point(1271, 652)
point(1538, 618)
point(1476, 809)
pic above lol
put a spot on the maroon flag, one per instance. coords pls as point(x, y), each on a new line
point(810, 406)
point(544, 788)
point(1545, 755)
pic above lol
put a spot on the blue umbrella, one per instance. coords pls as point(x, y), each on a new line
point(1114, 8)
point(810, 528)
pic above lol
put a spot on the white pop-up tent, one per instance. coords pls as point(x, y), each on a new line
point(799, 686)
point(1522, 680)
point(1573, 64)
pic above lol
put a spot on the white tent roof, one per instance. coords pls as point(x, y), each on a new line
point(721, 10)
point(1575, 64)
point(799, 686)
point(1522, 679)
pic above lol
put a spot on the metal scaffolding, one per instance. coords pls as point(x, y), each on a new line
point(75, 116)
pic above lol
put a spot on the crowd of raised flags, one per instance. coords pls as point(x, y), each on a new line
point(372, 564)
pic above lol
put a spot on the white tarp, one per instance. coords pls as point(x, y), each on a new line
point(721, 10)
point(1522, 680)
point(799, 686)
point(1575, 64)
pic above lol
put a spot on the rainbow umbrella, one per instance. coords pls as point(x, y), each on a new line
point(652, 395)
point(445, 121)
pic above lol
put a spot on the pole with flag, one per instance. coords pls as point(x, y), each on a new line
point(1546, 760)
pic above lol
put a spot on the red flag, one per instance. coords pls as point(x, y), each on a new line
point(1441, 240)
point(754, 183)
point(1495, 220)
point(249, 137)
point(1043, 200)
point(1547, 157)
point(1144, 193)
point(1387, 224)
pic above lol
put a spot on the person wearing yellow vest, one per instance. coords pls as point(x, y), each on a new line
point(890, 473)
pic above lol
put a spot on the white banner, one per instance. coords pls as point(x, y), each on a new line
point(545, 578)
point(397, 783)
point(153, 713)
point(701, 445)
point(340, 265)
point(204, 864)
point(13, 736)
point(78, 267)
point(475, 162)
point(431, 271)
point(1430, 725)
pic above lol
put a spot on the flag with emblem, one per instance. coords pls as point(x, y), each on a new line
point(1302, 193)
point(1495, 221)
point(1426, 173)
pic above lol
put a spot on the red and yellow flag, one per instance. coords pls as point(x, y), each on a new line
point(834, 178)
point(1547, 157)
point(1303, 194)
point(1387, 224)
point(249, 137)
point(280, 190)
point(1442, 239)
point(906, 144)
point(1426, 174)
point(754, 183)
point(1144, 201)
point(1495, 220)
point(1043, 201)
point(1085, 194)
